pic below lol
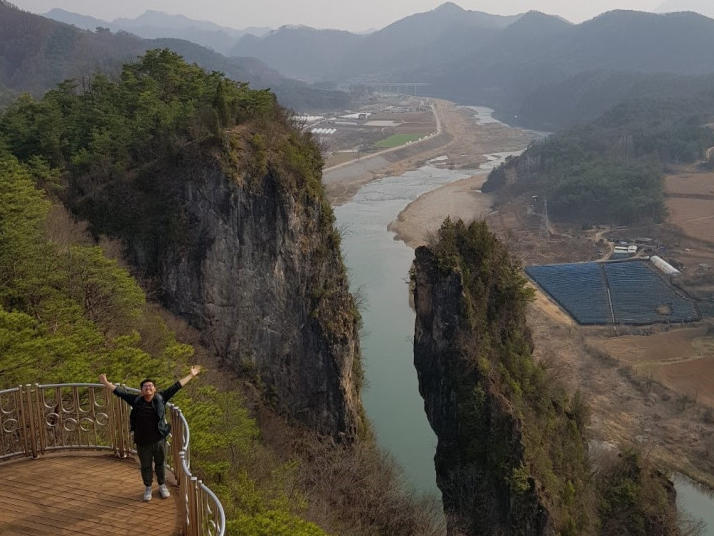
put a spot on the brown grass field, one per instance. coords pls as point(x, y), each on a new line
point(681, 359)
point(693, 215)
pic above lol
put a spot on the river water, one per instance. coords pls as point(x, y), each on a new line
point(378, 269)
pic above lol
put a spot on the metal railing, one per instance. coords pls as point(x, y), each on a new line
point(36, 419)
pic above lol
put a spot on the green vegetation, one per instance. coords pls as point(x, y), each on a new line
point(119, 145)
point(68, 313)
point(497, 346)
point(635, 498)
point(395, 140)
point(115, 152)
point(516, 423)
point(611, 170)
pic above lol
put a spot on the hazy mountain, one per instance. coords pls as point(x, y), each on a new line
point(510, 63)
point(704, 7)
point(301, 51)
point(539, 52)
point(153, 24)
point(36, 53)
point(80, 21)
point(156, 24)
point(445, 32)
point(586, 96)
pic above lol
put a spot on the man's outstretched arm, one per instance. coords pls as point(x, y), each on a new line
point(106, 383)
point(166, 394)
point(195, 370)
point(128, 397)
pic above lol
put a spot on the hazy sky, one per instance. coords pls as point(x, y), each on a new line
point(353, 15)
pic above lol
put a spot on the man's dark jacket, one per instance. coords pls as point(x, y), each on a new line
point(159, 402)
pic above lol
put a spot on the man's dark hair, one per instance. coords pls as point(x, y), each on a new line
point(141, 386)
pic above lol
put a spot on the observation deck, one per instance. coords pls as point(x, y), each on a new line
point(67, 468)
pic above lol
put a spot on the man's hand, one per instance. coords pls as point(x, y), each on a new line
point(109, 385)
point(195, 370)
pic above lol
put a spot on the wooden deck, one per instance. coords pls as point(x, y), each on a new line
point(82, 494)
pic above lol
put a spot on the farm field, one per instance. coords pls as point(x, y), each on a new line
point(395, 140)
point(630, 292)
point(681, 359)
point(694, 183)
point(694, 216)
point(691, 203)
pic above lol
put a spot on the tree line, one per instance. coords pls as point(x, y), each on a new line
point(611, 170)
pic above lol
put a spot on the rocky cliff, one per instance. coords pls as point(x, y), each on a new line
point(481, 444)
point(239, 241)
point(511, 456)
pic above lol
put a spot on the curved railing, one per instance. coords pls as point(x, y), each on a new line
point(37, 419)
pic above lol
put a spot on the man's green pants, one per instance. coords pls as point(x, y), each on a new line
point(155, 452)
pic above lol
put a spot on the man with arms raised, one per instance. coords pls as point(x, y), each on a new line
point(150, 428)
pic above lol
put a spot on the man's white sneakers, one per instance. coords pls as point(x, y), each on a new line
point(147, 494)
point(164, 491)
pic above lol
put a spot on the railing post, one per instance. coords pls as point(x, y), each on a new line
point(113, 421)
point(121, 424)
point(183, 492)
point(199, 507)
point(194, 490)
point(41, 429)
point(176, 437)
point(30, 420)
point(22, 420)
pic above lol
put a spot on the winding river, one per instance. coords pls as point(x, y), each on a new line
point(378, 267)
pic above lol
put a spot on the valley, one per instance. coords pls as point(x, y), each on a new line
point(647, 386)
point(287, 206)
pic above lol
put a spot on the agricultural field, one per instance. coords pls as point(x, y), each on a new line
point(690, 200)
point(630, 292)
point(681, 359)
point(383, 122)
point(395, 140)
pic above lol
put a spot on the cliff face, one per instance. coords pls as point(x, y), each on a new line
point(251, 279)
point(512, 455)
point(242, 245)
point(478, 436)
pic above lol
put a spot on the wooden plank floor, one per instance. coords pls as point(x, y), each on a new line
point(82, 494)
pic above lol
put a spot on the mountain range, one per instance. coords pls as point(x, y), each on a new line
point(703, 7)
point(156, 24)
point(510, 63)
point(36, 53)
point(535, 69)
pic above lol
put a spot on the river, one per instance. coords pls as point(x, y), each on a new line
point(378, 268)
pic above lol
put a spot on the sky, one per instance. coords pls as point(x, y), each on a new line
point(353, 15)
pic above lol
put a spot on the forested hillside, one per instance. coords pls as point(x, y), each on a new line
point(610, 170)
point(38, 53)
point(67, 312)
